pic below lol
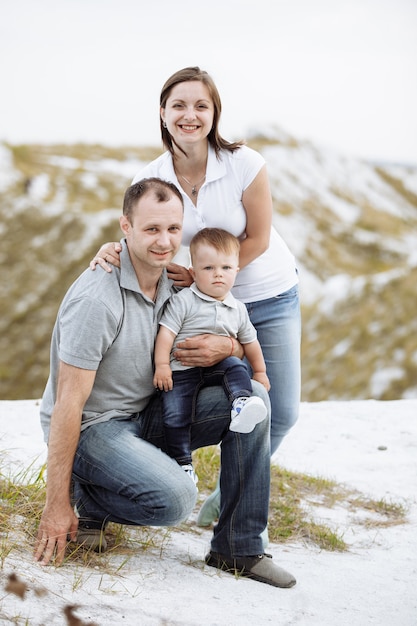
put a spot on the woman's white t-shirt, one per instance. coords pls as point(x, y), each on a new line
point(219, 205)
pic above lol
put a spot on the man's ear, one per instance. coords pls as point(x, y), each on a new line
point(124, 224)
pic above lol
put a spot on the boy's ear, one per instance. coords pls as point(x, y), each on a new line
point(191, 270)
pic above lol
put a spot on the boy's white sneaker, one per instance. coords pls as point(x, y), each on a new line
point(189, 469)
point(246, 413)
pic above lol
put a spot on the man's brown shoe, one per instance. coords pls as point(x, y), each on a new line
point(91, 539)
point(260, 568)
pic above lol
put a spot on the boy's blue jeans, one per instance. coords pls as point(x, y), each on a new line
point(122, 474)
point(179, 404)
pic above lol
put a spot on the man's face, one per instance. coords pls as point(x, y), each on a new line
point(154, 234)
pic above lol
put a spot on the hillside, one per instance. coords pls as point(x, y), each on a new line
point(352, 226)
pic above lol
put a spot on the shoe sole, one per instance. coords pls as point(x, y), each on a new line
point(249, 416)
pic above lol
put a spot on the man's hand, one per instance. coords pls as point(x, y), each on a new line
point(58, 518)
point(163, 378)
point(55, 525)
point(206, 350)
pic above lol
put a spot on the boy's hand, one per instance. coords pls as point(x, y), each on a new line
point(163, 378)
point(262, 378)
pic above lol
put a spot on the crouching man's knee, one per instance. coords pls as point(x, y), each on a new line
point(178, 503)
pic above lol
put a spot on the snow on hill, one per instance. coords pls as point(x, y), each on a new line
point(352, 226)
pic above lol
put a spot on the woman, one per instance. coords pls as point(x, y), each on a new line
point(226, 185)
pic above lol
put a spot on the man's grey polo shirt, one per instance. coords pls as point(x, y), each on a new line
point(105, 323)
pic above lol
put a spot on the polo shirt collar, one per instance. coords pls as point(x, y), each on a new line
point(229, 300)
point(129, 280)
point(216, 168)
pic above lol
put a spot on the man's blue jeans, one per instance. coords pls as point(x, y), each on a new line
point(179, 404)
point(122, 474)
point(278, 324)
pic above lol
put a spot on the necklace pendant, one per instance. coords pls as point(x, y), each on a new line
point(194, 191)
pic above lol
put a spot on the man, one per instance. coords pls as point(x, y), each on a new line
point(102, 419)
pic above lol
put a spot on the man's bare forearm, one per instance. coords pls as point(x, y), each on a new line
point(206, 350)
point(58, 519)
point(63, 441)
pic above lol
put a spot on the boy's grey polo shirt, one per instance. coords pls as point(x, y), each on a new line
point(105, 323)
point(191, 312)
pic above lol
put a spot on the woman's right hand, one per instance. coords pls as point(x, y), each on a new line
point(180, 275)
point(108, 253)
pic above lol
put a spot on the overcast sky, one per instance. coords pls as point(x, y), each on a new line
point(342, 73)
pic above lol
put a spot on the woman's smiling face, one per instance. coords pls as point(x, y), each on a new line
point(189, 112)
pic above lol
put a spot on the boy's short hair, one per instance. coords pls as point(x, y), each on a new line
point(219, 239)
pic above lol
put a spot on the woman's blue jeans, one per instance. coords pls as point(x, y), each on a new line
point(122, 474)
point(278, 324)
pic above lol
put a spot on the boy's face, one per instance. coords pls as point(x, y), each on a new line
point(214, 272)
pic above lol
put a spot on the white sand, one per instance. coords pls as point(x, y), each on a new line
point(373, 583)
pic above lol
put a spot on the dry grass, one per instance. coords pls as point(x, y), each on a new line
point(293, 498)
point(377, 330)
point(47, 242)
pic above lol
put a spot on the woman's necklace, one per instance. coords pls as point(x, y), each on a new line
point(193, 187)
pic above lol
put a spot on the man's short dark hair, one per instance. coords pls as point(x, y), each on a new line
point(162, 190)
